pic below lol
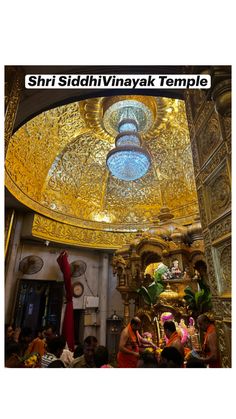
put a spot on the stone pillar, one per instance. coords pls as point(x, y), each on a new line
point(12, 269)
point(103, 298)
point(210, 135)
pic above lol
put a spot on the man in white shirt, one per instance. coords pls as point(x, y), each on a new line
point(55, 348)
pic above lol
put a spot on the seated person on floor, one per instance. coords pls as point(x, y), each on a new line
point(101, 357)
point(147, 360)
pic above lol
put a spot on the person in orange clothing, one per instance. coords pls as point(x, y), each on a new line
point(130, 341)
point(38, 344)
point(210, 352)
point(173, 337)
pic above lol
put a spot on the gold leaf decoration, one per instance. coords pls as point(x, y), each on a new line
point(56, 165)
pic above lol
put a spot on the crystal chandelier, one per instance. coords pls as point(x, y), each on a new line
point(128, 160)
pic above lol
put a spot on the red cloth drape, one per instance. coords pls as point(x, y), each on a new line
point(68, 322)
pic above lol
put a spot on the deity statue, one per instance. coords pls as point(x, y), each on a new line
point(175, 271)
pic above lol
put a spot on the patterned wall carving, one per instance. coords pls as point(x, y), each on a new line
point(214, 162)
point(211, 271)
point(224, 342)
point(209, 138)
point(213, 136)
point(221, 228)
point(202, 207)
point(203, 116)
point(195, 157)
point(222, 253)
point(218, 194)
point(222, 308)
point(196, 99)
point(226, 128)
point(63, 233)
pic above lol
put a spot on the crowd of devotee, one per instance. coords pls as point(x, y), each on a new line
point(48, 350)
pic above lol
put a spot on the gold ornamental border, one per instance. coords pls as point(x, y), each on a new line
point(85, 224)
point(52, 230)
point(65, 218)
point(93, 112)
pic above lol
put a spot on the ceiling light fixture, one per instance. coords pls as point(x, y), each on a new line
point(128, 160)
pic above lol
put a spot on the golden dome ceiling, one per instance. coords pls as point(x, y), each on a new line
point(56, 164)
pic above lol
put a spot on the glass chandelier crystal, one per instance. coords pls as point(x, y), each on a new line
point(128, 160)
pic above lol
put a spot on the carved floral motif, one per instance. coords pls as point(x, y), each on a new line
point(63, 233)
point(218, 157)
point(222, 307)
point(224, 336)
point(208, 138)
point(219, 194)
point(221, 228)
point(225, 266)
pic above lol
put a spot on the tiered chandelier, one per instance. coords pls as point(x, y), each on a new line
point(128, 160)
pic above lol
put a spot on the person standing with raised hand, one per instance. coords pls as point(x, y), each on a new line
point(130, 342)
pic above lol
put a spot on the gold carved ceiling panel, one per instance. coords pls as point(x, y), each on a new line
point(56, 164)
point(48, 229)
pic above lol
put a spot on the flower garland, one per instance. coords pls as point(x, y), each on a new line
point(184, 334)
point(31, 360)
